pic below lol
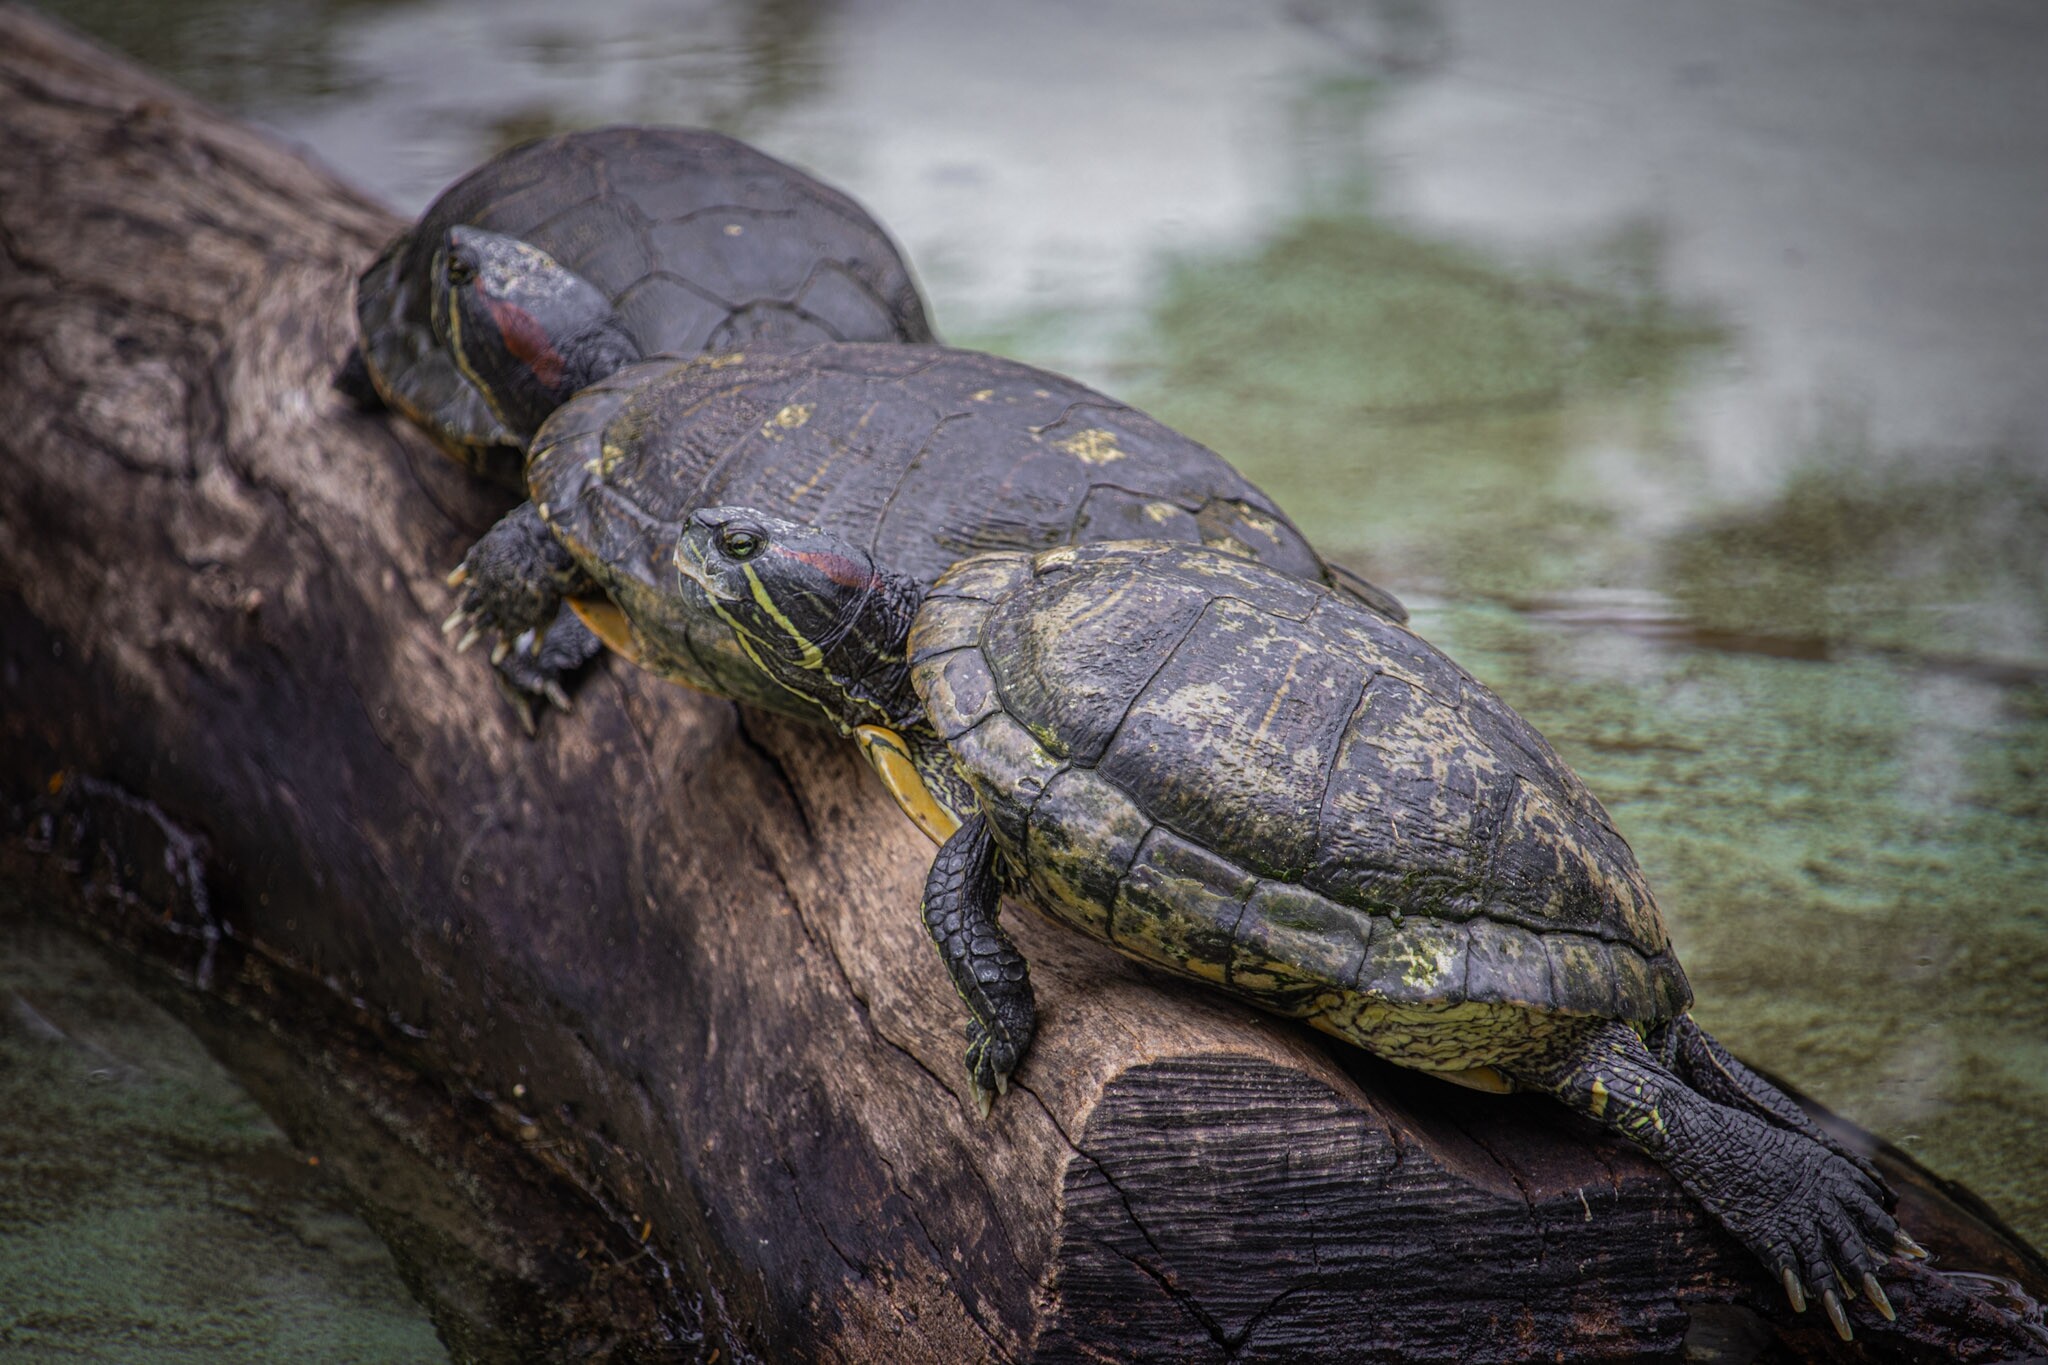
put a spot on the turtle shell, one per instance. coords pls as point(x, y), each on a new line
point(698, 240)
point(921, 455)
point(1250, 779)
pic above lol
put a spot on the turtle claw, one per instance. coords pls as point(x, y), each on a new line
point(1832, 1301)
point(984, 1099)
point(498, 652)
point(1907, 1247)
point(554, 693)
point(1878, 1301)
point(455, 618)
point(458, 575)
point(462, 645)
point(1793, 1289)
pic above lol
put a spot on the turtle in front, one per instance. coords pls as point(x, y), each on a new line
point(673, 239)
point(921, 454)
point(1247, 779)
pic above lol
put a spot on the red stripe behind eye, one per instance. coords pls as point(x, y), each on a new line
point(528, 342)
point(845, 572)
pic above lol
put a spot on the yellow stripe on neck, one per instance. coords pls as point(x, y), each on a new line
point(813, 658)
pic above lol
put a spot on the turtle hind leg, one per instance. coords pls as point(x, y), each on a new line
point(961, 896)
point(1693, 1054)
point(540, 670)
point(352, 381)
point(1809, 1215)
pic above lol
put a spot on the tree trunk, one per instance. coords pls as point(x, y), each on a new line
point(643, 1009)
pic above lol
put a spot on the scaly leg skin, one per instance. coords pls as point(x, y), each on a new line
point(962, 894)
point(535, 673)
point(1692, 1053)
point(1808, 1214)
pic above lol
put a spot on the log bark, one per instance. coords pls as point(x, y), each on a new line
point(628, 1035)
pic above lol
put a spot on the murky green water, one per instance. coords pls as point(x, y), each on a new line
point(152, 1215)
point(1682, 366)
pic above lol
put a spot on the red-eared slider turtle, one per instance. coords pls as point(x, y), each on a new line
point(628, 241)
point(1244, 778)
point(692, 239)
point(921, 454)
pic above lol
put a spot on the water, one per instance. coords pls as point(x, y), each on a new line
point(1680, 364)
point(153, 1215)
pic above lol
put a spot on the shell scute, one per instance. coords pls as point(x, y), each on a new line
point(1076, 657)
point(1416, 960)
point(1208, 752)
point(1082, 838)
point(959, 692)
point(1179, 906)
point(1293, 945)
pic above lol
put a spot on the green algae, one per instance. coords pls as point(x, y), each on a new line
point(152, 1212)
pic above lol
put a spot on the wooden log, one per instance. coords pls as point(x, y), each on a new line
point(646, 1001)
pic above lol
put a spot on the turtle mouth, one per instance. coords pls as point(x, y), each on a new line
point(691, 567)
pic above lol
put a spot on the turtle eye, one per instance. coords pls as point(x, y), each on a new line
point(740, 544)
point(460, 271)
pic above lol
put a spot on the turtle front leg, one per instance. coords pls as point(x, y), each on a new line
point(513, 582)
point(1692, 1053)
point(1808, 1214)
point(961, 897)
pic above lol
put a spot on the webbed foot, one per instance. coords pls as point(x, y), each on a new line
point(1808, 1214)
point(535, 671)
point(1807, 1211)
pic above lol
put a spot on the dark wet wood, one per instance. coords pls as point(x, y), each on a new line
point(650, 994)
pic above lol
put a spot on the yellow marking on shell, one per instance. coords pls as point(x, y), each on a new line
point(1599, 1098)
point(610, 452)
point(813, 658)
point(546, 513)
point(982, 395)
point(1161, 511)
point(1059, 557)
point(791, 417)
point(1093, 446)
point(608, 624)
point(1279, 696)
point(733, 229)
point(890, 758)
point(719, 362)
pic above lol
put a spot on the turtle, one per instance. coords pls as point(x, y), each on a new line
point(924, 453)
point(1245, 778)
point(691, 239)
point(695, 240)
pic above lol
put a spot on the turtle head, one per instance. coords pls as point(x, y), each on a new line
point(524, 328)
point(814, 611)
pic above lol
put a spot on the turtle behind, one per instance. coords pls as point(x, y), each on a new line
point(696, 239)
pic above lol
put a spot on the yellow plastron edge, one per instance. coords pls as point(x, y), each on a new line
point(890, 758)
point(607, 623)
